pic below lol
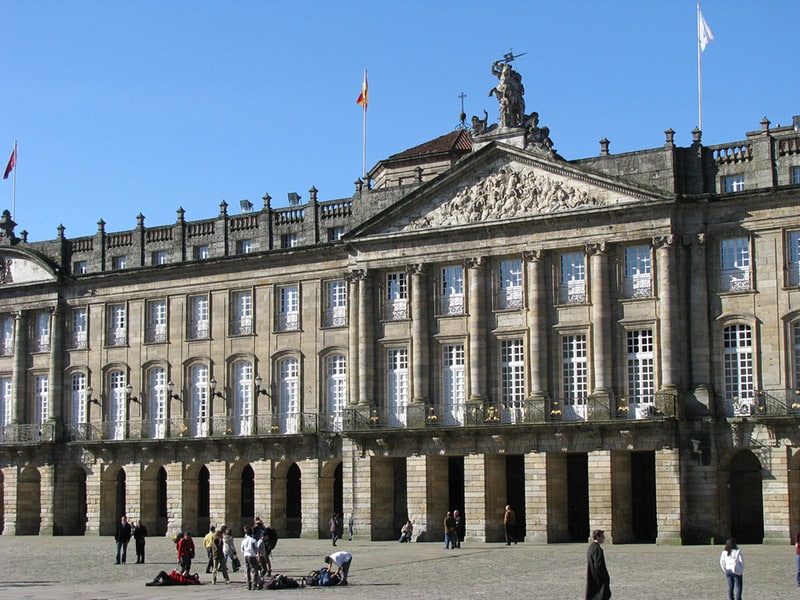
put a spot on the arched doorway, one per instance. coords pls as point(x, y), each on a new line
point(154, 499)
point(247, 494)
point(294, 506)
point(29, 501)
point(745, 498)
point(331, 496)
point(2, 503)
point(112, 498)
point(203, 500)
point(73, 521)
point(196, 501)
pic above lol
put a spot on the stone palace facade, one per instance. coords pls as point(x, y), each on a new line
point(607, 342)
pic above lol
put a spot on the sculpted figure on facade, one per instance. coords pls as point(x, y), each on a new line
point(537, 137)
point(505, 194)
point(509, 92)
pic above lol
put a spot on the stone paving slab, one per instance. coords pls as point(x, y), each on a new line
point(82, 568)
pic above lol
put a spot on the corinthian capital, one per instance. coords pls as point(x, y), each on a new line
point(595, 248)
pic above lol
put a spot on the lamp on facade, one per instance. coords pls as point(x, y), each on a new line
point(89, 392)
point(128, 392)
point(170, 395)
point(212, 385)
point(259, 389)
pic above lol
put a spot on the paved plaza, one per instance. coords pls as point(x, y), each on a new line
point(83, 568)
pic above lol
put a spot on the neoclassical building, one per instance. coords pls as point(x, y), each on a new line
point(611, 342)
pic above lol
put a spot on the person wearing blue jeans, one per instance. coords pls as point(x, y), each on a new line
point(122, 535)
point(797, 552)
point(731, 562)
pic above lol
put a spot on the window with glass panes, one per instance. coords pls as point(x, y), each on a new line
point(735, 264)
point(78, 399)
point(454, 393)
point(79, 330)
point(512, 372)
point(641, 371)
point(796, 355)
point(7, 332)
point(41, 339)
point(638, 272)
point(241, 313)
point(396, 296)
point(289, 307)
point(157, 396)
point(117, 410)
point(117, 333)
point(5, 403)
point(794, 257)
point(573, 278)
point(336, 389)
point(574, 369)
point(42, 389)
point(335, 303)
point(289, 401)
point(397, 385)
point(452, 290)
point(200, 408)
point(199, 314)
point(156, 330)
point(510, 282)
point(243, 409)
point(738, 365)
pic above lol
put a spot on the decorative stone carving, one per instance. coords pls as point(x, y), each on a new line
point(505, 194)
point(509, 92)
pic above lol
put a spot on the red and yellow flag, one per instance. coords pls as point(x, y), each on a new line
point(363, 97)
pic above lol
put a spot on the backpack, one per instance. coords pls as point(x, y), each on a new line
point(273, 537)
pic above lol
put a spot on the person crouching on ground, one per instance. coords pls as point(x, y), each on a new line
point(339, 564)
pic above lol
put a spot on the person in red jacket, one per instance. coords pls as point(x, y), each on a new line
point(174, 578)
point(186, 553)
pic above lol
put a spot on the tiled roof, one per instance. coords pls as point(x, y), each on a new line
point(455, 141)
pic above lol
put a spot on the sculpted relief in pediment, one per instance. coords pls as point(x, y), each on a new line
point(505, 194)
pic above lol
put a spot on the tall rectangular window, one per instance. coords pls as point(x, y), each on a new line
point(289, 401)
point(335, 304)
point(79, 328)
point(793, 240)
point(243, 406)
point(452, 290)
point(200, 404)
point(733, 183)
point(396, 296)
point(795, 175)
point(117, 327)
point(572, 288)
point(641, 372)
point(738, 368)
point(454, 389)
point(199, 318)
point(118, 405)
point(735, 264)
point(397, 387)
point(157, 402)
point(42, 410)
point(200, 252)
point(5, 404)
point(336, 389)
point(41, 331)
point(796, 356)
point(574, 376)
point(78, 400)
point(7, 333)
point(512, 379)
point(156, 326)
point(638, 282)
point(241, 313)
point(288, 308)
point(510, 284)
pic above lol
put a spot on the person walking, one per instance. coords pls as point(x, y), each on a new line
point(510, 525)
point(598, 582)
point(459, 528)
point(122, 536)
point(350, 527)
point(186, 553)
point(249, 548)
point(208, 544)
point(797, 553)
point(450, 540)
point(229, 548)
point(731, 562)
point(339, 564)
point(218, 554)
point(333, 526)
point(139, 534)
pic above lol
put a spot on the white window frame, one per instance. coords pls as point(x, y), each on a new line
point(159, 257)
point(336, 389)
point(397, 384)
point(733, 183)
point(397, 296)
point(5, 404)
point(80, 267)
point(335, 303)
point(199, 317)
point(640, 362)
point(78, 400)
point(200, 402)
point(289, 390)
point(156, 331)
point(79, 328)
point(201, 252)
point(7, 325)
point(638, 272)
point(572, 278)
point(452, 290)
point(793, 253)
point(241, 312)
point(117, 406)
point(157, 396)
point(117, 331)
point(289, 308)
point(243, 399)
point(735, 264)
point(738, 369)
point(512, 379)
point(510, 282)
point(42, 331)
point(335, 233)
point(574, 375)
point(454, 384)
point(244, 246)
point(795, 342)
point(289, 240)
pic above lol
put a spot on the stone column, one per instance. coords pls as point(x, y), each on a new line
point(366, 350)
point(10, 479)
point(417, 494)
point(666, 296)
point(477, 305)
point(537, 323)
point(536, 497)
point(476, 511)
point(174, 497)
point(309, 489)
point(420, 353)
point(699, 333)
point(94, 487)
point(775, 498)
point(600, 492)
point(18, 382)
point(353, 337)
point(55, 387)
point(601, 321)
point(262, 492)
point(217, 491)
point(668, 496)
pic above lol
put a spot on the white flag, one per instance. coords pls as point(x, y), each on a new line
point(704, 34)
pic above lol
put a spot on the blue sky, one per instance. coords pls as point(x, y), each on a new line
point(128, 107)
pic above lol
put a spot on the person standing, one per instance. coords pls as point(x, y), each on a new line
point(510, 525)
point(333, 526)
point(339, 564)
point(598, 582)
point(122, 536)
point(449, 531)
point(459, 528)
point(731, 562)
point(218, 553)
point(186, 553)
point(139, 534)
point(797, 553)
point(249, 548)
point(350, 527)
point(264, 550)
point(208, 544)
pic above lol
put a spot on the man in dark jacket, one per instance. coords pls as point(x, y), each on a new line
point(122, 536)
point(597, 579)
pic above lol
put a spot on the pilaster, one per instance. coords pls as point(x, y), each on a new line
point(668, 496)
point(262, 492)
point(600, 499)
point(10, 479)
point(417, 491)
point(477, 303)
point(420, 359)
point(174, 497)
point(309, 484)
point(475, 498)
point(217, 494)
point(536, 498)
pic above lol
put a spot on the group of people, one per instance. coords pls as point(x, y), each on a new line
point(257, 545)
point(453, 530)
point(123, 533)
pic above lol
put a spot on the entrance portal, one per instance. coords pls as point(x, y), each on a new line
point(745, 498)
point(578, 497)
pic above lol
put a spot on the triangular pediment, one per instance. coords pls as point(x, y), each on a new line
point(503, 184)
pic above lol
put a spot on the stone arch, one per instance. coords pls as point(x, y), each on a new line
point(743, 505)
point(240, 496)
point(29, 501)
point(72, 489)
point(287, 498)
point(112, 498)
point(196, 498)
point(154, 499)
point(330, 494)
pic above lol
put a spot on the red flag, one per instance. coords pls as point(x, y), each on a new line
point(12, 162)
point(363, 99)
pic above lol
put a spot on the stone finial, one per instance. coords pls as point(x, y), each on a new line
point(765, 124)
point(697, 135)
point(312, 194)
point(24, 236)
point(669, 141)
point(181, 214)
point(101, 226)
point(604, 143)
point(139, 221)
point(359, 185)
point(267, 199)
point(61, 229)
point(223, 208)
point(418, 171)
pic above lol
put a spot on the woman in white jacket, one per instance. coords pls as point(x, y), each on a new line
point(731, 562)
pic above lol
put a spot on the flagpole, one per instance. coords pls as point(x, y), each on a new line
point(699, 73)
point(364, 144)
point(14, 185)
